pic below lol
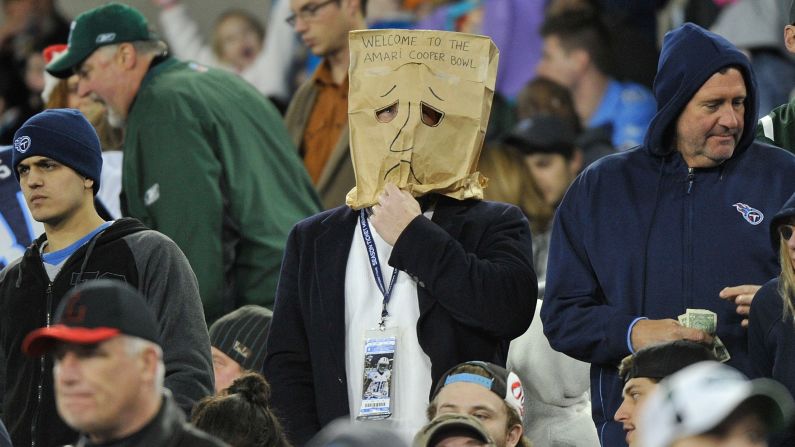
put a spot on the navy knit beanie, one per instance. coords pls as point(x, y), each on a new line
point(64, 135)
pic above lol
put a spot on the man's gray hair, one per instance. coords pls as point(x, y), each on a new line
point(149, 47)
point(154, 47)
point(136, 345)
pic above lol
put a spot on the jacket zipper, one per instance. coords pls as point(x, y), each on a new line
point(40, 388)
point(688, 274)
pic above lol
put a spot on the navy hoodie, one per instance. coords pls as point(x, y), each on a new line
point(638, 234)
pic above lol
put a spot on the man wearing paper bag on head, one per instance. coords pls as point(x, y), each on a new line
point(416, 268)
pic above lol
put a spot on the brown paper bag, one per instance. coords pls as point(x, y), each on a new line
point(418, 108)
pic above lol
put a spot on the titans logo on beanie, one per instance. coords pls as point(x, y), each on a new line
point(64, 135)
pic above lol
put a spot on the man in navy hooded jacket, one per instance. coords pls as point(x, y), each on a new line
point(672, 224)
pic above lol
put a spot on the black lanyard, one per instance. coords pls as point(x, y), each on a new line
point(375, 266)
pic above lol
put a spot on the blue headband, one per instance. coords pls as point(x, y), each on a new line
point(470, 378)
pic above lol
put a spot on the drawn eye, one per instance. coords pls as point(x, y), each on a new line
point(387, 114)
point(431, 116)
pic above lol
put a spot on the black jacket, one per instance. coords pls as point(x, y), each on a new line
point(476, 292)
point(127, 251)
point(167, 429)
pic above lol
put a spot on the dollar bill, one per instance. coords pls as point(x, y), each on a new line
point(702, 319)
point(706, 321)
point(720, 351)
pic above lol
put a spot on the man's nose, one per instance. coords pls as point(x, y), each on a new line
point(622, 414)
point(730, 118)
point(33, 178)
point(300, 26)
point(67, 368)
point(83, 89)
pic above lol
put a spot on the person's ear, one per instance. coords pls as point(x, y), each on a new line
point(789, 38)
point(580, 58)
point(88, 183)
point(127, 55)
point(514, 435)
point(149, 359)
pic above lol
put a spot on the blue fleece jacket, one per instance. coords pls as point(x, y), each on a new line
point(640, 235)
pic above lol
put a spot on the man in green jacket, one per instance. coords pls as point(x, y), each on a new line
point(207, 160)
point(778, 126)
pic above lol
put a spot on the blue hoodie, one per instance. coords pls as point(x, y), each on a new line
point(639, 235)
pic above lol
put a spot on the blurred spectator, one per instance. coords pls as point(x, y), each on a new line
point(547, 144)
point(109, 370)
point(28, 26)
point(57, 162)
point(771, 326)
point(543, 96)
point(239, 44)
point(778, 127)
point(237, 342)
point(755, 27)
point(643, 370)
point(631, 26)
point(202, 151)
point(485, 391)
point(510, 181)
point(240, 415)
point(317, 118)
point(710, 404)
point(577, 54)
point(453, 430)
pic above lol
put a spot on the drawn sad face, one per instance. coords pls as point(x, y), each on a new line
point(416, 125)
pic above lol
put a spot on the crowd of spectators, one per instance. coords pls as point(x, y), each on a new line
point(640, 154)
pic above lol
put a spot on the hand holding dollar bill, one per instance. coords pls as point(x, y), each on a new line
point(706, 321)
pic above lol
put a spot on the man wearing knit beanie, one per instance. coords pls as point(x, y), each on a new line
point(238, 343)
point(57, 160)
point(63, 135)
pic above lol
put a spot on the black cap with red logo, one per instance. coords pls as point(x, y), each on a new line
point(93, 312)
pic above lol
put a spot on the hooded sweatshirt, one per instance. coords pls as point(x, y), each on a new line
point(640, 235)
point(771, 334)
point(126, 251)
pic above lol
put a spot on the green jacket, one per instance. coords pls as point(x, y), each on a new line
point(208, 162)
point(778, 127)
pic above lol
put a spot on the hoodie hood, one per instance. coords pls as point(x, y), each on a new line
point(690, 55)
point(785, 213)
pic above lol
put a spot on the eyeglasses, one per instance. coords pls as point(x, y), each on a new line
point(786, 231)
point(307, 12)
